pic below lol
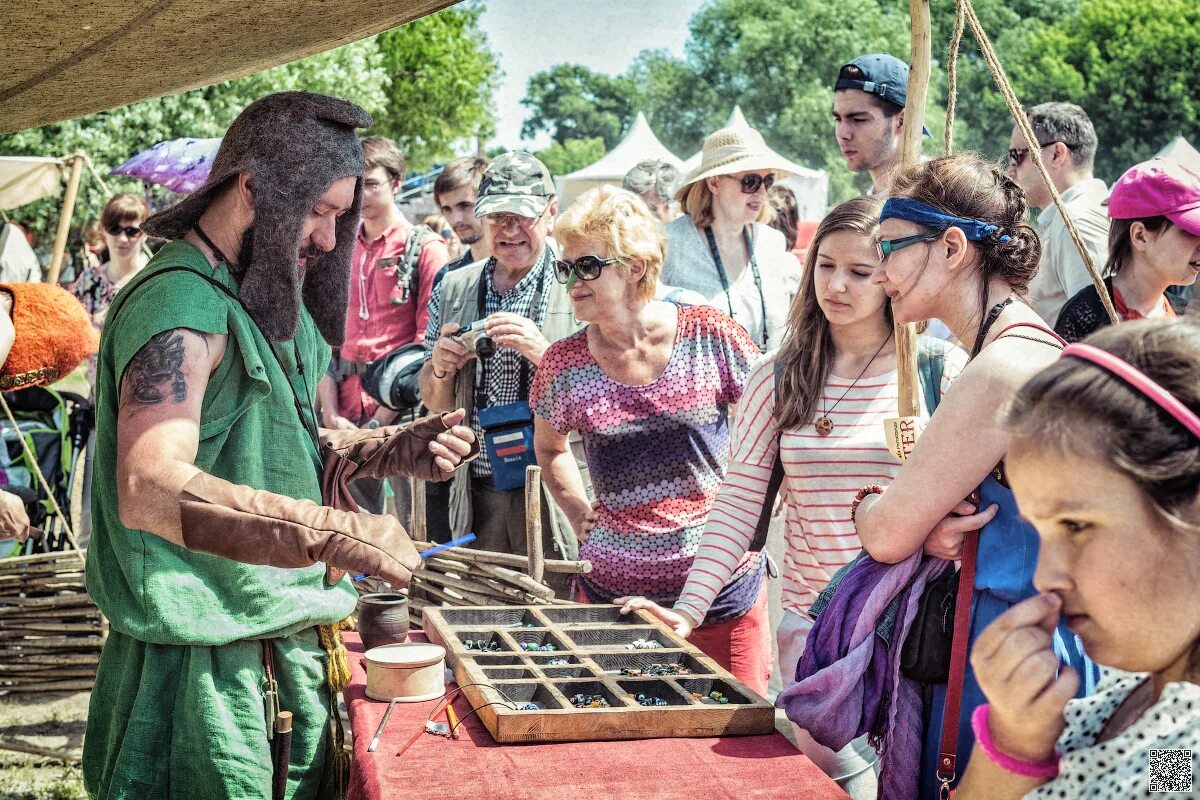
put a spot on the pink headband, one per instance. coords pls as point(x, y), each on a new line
point(1138, 380)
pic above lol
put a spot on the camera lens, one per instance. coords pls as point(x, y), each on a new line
point(485, 347)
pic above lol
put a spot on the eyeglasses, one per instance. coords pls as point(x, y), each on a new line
point(586, 268)
point(885, 247)
point(752, 182)
point(504, 219)
point(1016, 155)
point(132, 231)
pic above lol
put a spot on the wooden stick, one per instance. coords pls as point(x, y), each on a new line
point(58, 755)
point(64, 220)
point(418, 524)
point(507, 559)
point(533, 522)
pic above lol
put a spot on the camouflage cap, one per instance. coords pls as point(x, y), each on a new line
point(515, 183)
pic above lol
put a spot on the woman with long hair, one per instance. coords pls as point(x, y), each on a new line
point(954, 245)
point(837, 383)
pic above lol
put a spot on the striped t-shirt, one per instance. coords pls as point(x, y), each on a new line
point(822, 475)
point(656, 453)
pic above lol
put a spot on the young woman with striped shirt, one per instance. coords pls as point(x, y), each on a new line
point(837, 386)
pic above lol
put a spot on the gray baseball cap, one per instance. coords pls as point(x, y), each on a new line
point(515, 183)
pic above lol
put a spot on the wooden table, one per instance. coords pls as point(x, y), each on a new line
point(474, 766)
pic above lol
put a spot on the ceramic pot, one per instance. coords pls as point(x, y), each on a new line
point(382, 619)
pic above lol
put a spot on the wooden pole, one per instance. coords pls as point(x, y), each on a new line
point(416, 492)
point(533, 522)
point(64, 221)
point(901, 433)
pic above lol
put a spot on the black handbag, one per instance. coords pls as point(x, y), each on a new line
point(925, 657)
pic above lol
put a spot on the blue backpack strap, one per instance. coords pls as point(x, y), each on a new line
point(931, 362)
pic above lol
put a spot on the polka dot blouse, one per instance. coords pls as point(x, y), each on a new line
point(657, 453)
point(1119, 769)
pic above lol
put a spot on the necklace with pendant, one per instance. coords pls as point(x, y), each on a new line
point(824, 424)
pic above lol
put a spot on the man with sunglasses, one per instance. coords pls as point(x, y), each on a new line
point(1067, 142)
point(512, 308)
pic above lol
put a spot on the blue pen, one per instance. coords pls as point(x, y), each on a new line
point(470, 537)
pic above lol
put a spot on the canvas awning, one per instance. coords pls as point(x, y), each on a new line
point(1181, 151)
point(62, 61)
point(23, 180)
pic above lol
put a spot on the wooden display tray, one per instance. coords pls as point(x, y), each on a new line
point(594, 639)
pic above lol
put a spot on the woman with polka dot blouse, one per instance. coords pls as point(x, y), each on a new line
point(650, 387)
point(1105, 462)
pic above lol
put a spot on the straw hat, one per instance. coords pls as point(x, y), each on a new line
point(731, 150)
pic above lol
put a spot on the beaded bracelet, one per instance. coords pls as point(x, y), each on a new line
point(862, 494)
point(1030, 769)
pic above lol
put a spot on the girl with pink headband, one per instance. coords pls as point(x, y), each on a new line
point(1105, 462)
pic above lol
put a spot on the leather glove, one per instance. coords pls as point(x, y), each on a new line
point(396, 450)
point(258, 527)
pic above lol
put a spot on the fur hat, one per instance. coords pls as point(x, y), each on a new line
point(294, 145)
point(53, 334)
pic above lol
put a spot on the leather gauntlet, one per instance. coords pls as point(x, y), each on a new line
point(396, 450)
point(258, 527)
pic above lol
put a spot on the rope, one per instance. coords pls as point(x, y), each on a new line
point(1018, 113)
point(32, 456)
point(338, 677)
point(952, 73)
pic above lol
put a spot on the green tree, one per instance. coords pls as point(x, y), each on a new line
point(566, 157)
point(681, 109)
point(572, 102)
point(442, 77)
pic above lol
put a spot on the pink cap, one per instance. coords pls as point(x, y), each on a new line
point(1158, 188)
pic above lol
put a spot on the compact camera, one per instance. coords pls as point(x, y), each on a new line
point(475, 339)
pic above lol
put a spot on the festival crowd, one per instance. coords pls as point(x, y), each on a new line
point(684, 369)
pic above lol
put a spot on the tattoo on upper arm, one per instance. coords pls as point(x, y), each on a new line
point(155, 373)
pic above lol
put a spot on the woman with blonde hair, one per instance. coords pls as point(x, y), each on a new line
point(722, 246)
point(649, 386)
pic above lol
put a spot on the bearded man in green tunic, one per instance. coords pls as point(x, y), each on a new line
point(212, 554)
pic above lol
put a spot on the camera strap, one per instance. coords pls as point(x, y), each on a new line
point(716, 257)
point(535, 310)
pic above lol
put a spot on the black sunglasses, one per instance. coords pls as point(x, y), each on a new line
point(586, 268)
point(1016, 155)
point(752, 182)
point(132, 231)
point(885, 247)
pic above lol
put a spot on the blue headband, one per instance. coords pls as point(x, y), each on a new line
point(926, 215)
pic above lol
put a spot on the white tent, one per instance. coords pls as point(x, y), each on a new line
point(640, 144)
point(1181, 151)
point(25, 179)
point(811, 186)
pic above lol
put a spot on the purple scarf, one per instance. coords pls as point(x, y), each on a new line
point(848, 681)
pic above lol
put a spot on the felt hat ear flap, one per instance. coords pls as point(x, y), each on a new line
point(270, 285)
point(327, 278)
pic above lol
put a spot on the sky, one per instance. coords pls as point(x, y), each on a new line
point(529, 36)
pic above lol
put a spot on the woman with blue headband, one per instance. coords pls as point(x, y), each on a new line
point(954, 245)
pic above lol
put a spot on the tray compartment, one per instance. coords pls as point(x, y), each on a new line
point(540, 637)
point(531, 692)
point(703, 686)
point(544, 659)
point(492, 618)
point(612, 663)
point(573, 671)
point(654, 688)
point(591, 614)
point(510, 673)
point(571, 688)
point(491, 641)
point(618, 637)
point(495, 660)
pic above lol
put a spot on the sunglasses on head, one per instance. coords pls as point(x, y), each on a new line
point(752, 182)
point(885, 247)
point(132, 231)
point(586, 268)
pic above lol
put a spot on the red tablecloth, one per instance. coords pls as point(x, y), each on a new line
point(474, 766)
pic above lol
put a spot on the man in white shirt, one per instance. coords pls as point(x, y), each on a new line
point(1068, 147)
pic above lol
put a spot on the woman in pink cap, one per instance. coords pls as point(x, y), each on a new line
point(1154, 243)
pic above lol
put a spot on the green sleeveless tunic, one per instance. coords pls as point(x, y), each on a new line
point(176, 709)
